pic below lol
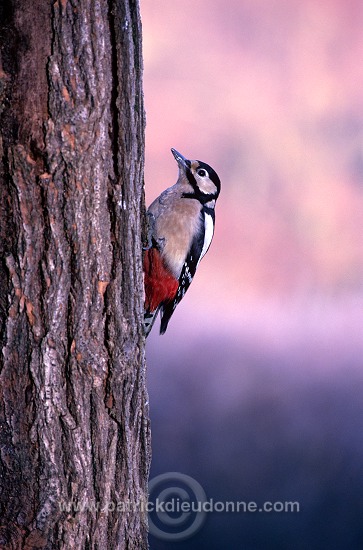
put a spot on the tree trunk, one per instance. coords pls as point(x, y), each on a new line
point(74, 429)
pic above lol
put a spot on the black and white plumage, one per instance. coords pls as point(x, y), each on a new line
point(181, 231)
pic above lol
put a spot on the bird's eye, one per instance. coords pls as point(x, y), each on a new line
point(202, 173)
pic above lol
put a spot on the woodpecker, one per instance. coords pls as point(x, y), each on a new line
point(181, 226)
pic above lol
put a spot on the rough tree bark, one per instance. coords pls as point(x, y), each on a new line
point(74, 430)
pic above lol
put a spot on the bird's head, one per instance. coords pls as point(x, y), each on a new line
point(203, 180)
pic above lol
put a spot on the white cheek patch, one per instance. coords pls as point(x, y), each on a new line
point(208, 234)
point(206, 186)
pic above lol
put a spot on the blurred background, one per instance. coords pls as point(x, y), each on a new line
point(256, 389)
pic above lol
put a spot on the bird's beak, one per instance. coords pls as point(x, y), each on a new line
point(183, 163)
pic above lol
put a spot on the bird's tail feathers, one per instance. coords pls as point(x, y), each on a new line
point(149, 320)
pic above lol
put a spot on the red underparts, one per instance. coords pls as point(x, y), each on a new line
point(160, 284)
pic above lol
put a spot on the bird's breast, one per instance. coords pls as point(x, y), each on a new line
point(178, 226)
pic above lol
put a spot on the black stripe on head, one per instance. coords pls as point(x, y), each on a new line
point(191, 178)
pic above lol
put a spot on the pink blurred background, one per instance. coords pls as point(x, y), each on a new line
point(262, 360)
